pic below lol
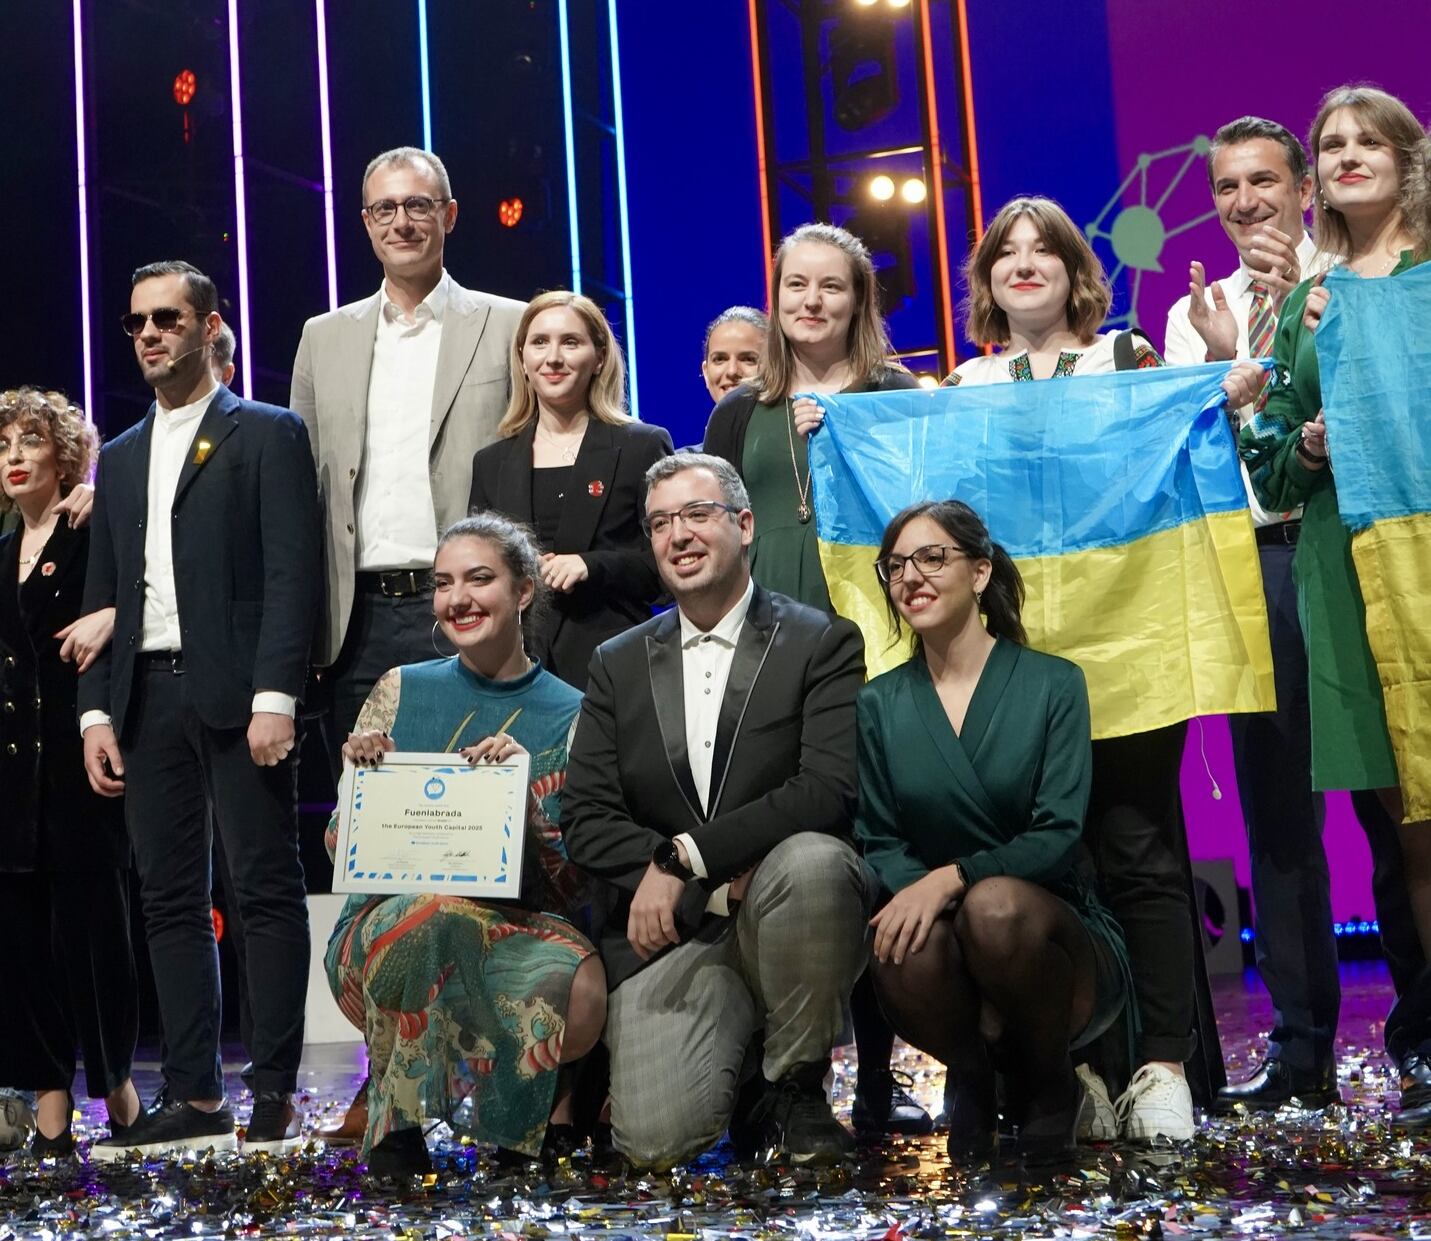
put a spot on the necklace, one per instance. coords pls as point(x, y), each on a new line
point(567, 454)
point(27, 561)
point(802, 488)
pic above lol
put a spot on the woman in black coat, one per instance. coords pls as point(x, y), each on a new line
point(572, 464)
point(66, 969)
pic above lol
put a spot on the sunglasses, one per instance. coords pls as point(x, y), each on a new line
point(166, 319)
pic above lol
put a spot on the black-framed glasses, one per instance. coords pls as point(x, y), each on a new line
point(693, 516)
point(415, 206)
point(166, 319)
point(929, 560)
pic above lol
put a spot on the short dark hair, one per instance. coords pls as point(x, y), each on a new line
point(736, 314)
point(203, 296)
point(1250, 129)
point(225, 346)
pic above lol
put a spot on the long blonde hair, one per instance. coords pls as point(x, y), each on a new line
point(867, 346)
point(1088, 293)
point(1393, 120)
point(605, 399)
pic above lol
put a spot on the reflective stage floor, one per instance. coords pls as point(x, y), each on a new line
point(1339, 1174)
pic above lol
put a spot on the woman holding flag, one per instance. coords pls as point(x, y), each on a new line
point(1372, 210)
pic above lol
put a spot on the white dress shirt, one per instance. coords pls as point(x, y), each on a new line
point(171, 439)
point(396, 520)
point(1184, 347)
point(706, 657)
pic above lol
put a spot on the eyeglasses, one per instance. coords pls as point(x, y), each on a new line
point(30, 443)
point(694, 516)
point(166, 319)
point(417, 207)
point(929, 560)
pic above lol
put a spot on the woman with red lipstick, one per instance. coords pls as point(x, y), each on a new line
point(570, 461)
point(826, 334)
point(1038, 294)
point(974, 761)
point(1372, 211)
point(470, 1008)
point(64, 853)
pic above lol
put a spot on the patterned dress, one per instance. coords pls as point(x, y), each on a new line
point(463, 1003)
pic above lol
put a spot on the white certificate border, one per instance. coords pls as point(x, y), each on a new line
point(506, 885)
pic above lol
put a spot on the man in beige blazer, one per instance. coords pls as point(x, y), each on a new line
point(398, 392)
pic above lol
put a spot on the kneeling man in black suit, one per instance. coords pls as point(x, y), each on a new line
point(206, 543)
point(711, 782)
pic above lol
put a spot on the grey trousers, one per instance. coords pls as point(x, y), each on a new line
point(678, 1031)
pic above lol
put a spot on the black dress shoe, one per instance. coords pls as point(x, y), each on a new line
point(401, 1154)
point(62, 1145)
point(796, 1122)
point(883, 1106)
point(1415, 1081)
point(1048, 1127)
point(1276, 1084)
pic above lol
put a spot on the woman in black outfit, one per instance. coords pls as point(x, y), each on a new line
point(67, 970)
point(572, 463)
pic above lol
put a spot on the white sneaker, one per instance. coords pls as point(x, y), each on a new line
point(1097, 1122)
point(1156, 1104)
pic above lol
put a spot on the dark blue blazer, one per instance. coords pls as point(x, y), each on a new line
point(247, 560)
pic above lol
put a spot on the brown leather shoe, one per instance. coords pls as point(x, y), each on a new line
point(351, 1129)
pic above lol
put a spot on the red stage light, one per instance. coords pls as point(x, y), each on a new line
point(509, 211)
point(218, 920)
point(185, 84)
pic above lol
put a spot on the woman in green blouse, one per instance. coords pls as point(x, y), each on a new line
point(975, 766)
point(1373, 211)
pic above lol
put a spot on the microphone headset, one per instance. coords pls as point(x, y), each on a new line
point(172, 364)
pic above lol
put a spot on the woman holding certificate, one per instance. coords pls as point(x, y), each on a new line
point(472, 1008)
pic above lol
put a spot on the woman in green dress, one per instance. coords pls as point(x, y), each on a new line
point(975, 768)
point(1372, 210)
point(470, 1008)
point(826, 334)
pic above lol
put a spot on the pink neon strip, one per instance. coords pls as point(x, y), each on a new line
point(82, 180)
point(240, 206)
point(322, 19)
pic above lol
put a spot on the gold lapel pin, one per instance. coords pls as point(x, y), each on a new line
point(201, 452)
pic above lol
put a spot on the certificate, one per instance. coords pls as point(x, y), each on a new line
point(432, 823)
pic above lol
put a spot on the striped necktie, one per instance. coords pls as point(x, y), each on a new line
point(1261, 323)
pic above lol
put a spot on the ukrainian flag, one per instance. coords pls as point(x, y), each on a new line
point(1120, 498)
point(1375, 361)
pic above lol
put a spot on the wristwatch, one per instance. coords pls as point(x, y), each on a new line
point(668, 858)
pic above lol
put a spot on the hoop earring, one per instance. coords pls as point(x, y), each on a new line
point(435, 651)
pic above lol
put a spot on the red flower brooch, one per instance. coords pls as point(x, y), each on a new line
point(47, 569)
point(594, 488)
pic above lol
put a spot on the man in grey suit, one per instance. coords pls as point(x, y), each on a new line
point(398, 392)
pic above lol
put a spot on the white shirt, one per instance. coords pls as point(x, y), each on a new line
point(1184, 347)
point(171, 438)
point(396, 520)
point(998, 368)
point(706, 657)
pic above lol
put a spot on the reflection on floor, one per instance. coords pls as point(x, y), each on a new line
point(1341, 1174)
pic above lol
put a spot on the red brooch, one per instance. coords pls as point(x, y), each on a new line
point(594, 488)
point(47, 568)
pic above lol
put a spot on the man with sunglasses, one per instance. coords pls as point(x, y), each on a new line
point(206, 543)
point(715, 793)
point(398, 391)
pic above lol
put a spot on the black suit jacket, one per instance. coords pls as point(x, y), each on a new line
point(52, 817)
point(600, 522)
point(247, 560)
point(784, 758)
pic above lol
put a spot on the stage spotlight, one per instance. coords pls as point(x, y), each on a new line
point(185, 84)
point(899, 4)
point(928, 381)
point(881, 188)
point(862, 71)
point(913, 191)
point(509, 212)
point(866, 4)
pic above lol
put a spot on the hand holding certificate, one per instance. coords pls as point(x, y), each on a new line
point(435, 823)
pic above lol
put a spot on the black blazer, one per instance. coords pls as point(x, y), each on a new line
point(52, 817)
point(729, 420)
point(784, 759)
point(247, 560)
point(600, 522)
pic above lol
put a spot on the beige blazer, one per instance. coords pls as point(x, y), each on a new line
point(330, 394)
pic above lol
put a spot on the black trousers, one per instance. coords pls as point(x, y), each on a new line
point(1135, 832)
point(176, 769)
point(383, 633)
point(67, 978)
point(1291, 888)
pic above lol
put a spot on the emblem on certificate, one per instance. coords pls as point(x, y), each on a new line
point(432, 823)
